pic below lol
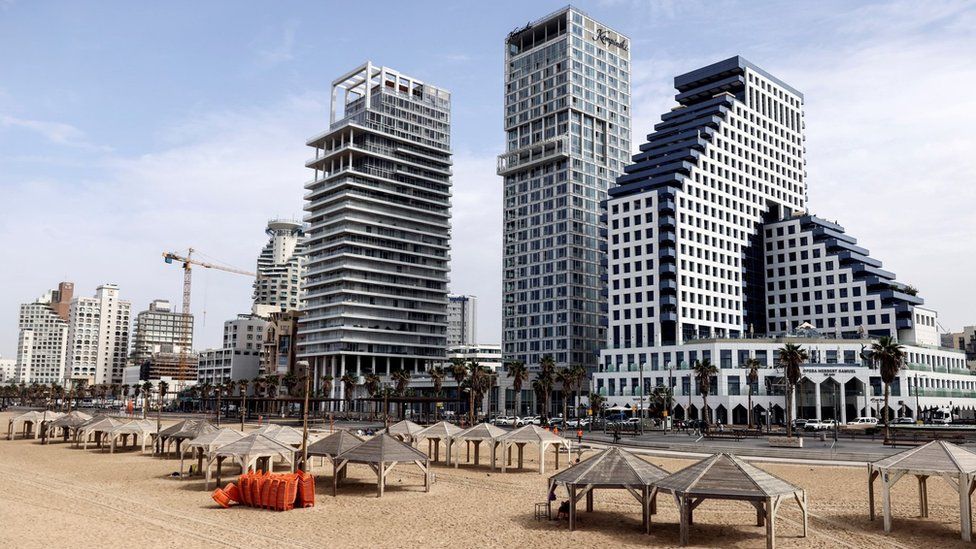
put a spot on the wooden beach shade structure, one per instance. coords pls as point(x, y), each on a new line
point(405, 431)
point(206, 444)
point(95, 428)
point(614, 469)
point(141, 431)
point(443, 431)
point(251, 452)
point(334, 444)
point(957, 466)
point(726, 476)
point(30, 423)
point(381, 453)
point(474, 436)
point(192, 431)
point(535, 435)
point(187, 429)
point(67, 423)
point(281, 433)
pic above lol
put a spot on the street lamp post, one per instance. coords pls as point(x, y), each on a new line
point(640, 403)
point(670, 393)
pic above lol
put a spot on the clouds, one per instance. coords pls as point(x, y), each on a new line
point(58, 133)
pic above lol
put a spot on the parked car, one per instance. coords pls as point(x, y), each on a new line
point(577, 423)
point(864, 421)
point(800, 423)
point(527, 420)
point(904, 421)
point(505, 420)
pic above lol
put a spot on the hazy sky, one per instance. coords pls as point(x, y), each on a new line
point(127, 128)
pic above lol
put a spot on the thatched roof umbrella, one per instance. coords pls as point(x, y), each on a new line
point(249, 451)
point(405, 431)
point(31, 423)
point(140, 429)
point(97, 427)
point(613, 468)
point(957, 466)
point(207, 443)
point(726, 476)
point(476, 434)
point(381, 453)
point(67, 423)
point(435, 434)
point(531, 434)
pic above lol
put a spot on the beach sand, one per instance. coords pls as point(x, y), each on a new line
point(58, 495)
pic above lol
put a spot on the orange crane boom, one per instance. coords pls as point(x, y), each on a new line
point(188, 262)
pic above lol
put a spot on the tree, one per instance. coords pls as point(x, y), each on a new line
point(704, 370)
point(546, 378)
point(565, 377)
point(660, 397)
point(539, 389)
point(242, 385)
point(349, 387)
point(480, 383)
point(402, 380)
point(519, 374)
point(326, 388)
point(459, 371)
point(371, 382)
point(752, 378)
point(791, 359)
point(578, 372)
point(596, 405)
point(273, 382)
point(147, 388)
point(437, 374)
point(163, 388)
point(890, 358)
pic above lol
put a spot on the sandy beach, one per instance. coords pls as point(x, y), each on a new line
point(56, 494)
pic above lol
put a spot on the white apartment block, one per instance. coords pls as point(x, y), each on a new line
point(280, 268)
point(8, 370)
point(462, 318)
point(98, 335)
point(485, 354)
point(42, 346)
point(240, 356)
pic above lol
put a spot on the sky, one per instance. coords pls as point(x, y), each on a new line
point(132, 128)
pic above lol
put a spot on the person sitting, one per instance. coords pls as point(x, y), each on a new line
point(563, 512)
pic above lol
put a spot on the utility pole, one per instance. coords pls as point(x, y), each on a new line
point(303, 366)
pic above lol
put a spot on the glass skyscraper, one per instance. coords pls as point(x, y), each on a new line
point(567, 124)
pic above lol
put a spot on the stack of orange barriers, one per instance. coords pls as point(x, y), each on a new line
point(278, 492)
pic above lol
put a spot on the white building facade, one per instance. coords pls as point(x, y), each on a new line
point(379, 229)
point(567, 124)
point(280, 268)
point(462, 318)
point(98, 334)
point(240, 356)
point(8, 370)
point(42, 346)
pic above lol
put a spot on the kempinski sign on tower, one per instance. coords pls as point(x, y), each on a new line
point(603, 36)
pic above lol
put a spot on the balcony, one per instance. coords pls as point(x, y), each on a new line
point(536, 153)
point(666, 205)
point(667, 221)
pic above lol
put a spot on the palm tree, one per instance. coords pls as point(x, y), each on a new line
point(752, 378)
point(402, 380)
point(596, 406)
point(704, 370)
point(578, 372)
point(260, 386)
point(565, 377)
point(437, 374)
point(661, 396)
point(163, 388)
point(480, 383)
point(371, 382)
point(539, 389)
point(890, 358)
point(349, 386)
point(136, 390)
point(546, 378)
point(459, 371)
point(519, 374)
point(326, 388)
point(791, 359)
point(242, 385)
point(273, 381)
point(147, 388)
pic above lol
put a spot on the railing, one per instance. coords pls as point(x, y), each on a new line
point(533, 154)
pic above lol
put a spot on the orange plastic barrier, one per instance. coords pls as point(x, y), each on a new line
point(244, 486)
point(280, 492)
point(221, 498)
point(306, 490)
point(232, 492)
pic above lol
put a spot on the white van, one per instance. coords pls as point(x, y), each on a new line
point(864, 421)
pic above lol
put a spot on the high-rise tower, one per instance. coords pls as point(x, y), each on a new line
point(280, 268)
point(567, 124)
point(379, 228)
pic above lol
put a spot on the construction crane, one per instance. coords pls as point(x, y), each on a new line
point(188, 262)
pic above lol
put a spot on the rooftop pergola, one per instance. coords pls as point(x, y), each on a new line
point(405, 431)
point(530, 434)
point(613, 468)
point(381, 453)
point(957, 466)
point(249, 452)
point(31, 423)
point(206, 444)
point(139, 429)
point(475, 435)
point(442, 431)
point(726, 476)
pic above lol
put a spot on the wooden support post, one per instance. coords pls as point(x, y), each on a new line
point(380, 478)
point(683, 513)
point(965, 507)
point(645, 509)
point(654, 502)
point(925, 496)
point(760, 513)
point(556, 448)
point(477, 452)
point(589, 501)
point(872, 474)
point(770, 523)
point(886, 500)
point(521, 452)
point(572, 507)
point(542, 458)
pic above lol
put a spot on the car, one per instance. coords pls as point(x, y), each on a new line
point(577, 423)
point(528, 420)
point(904, 421)
point(800, 423)
point(505, 420)
point(864, 421)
